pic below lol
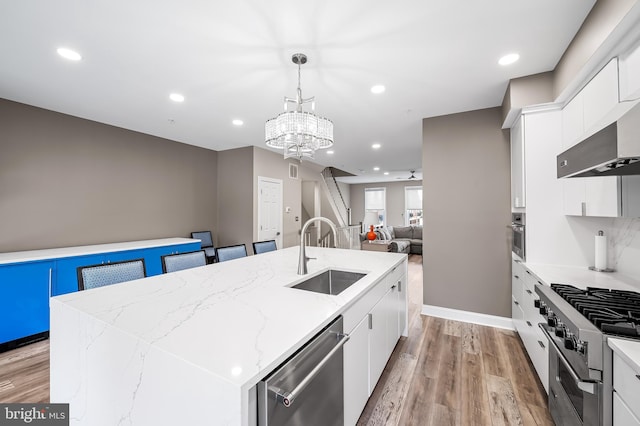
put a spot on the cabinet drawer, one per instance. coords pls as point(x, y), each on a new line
point(396, 273)
point(626, 382)
point(622, 414)
point(530, 280)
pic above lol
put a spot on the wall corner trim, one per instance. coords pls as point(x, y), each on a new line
point(467, 316)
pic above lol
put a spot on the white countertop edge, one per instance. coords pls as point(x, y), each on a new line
point(580, 276)
point(57, 253)
point(628, 350)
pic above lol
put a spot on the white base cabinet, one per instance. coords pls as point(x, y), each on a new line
point(372, 339)
point(526, 318)
point(356, 372)
point(626, 385)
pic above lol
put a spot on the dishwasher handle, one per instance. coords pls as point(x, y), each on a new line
point(287, 398)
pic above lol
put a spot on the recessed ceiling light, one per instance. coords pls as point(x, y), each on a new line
point(376, 146)
point(69, 54)
point(176, 97)
point(377, 89)
point(237, 122)
point(376, 169)
point(386, 173)
point(330, 152)
point(509, 59)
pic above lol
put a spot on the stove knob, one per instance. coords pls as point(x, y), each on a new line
point(581, 347)
point(560, 330)
point(543, 308)
point(569, 341)
point(552, 321)
point(536, 303)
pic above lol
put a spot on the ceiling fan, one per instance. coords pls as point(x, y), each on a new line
point(413, 176)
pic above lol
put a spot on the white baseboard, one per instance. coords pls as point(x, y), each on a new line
point(467, 316)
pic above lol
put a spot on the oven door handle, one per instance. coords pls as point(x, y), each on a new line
point(589, 387)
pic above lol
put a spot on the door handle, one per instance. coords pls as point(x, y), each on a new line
point(278, 233)
point(287, 398)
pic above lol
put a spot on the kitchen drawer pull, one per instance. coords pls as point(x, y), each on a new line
point(399, 286)
point(529, 324)
point(516, 302)
point(370, 321)
point(528, 272)
point(541, 344)
point(638, 376)
point(529, 291)
point(287, 398)
point(517, 277)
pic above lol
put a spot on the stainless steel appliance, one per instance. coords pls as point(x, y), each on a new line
point(518, 233)
point(580, 361)
point(614, 150)
point(308, 388)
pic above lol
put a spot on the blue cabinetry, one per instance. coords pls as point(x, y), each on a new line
point(25, 287)
point(24, 302)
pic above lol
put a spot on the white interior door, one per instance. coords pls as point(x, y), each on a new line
point(270, 210)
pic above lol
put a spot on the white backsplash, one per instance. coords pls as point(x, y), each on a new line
point(624, 246)
point(623, 243)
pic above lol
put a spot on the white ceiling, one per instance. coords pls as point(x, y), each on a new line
point(232, 59)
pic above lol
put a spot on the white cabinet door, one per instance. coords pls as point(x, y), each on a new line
point(517, 164)
point(600, 97)
point(592, 196)
point(630, 75)
point(378, 342)
point(402, 307)
point(603, 196)
point(356, 372)
point(622, 414)
point(572, 121)
point(383, 334)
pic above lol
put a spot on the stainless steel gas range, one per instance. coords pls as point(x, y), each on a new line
point(580, 361)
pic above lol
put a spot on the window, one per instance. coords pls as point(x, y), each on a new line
point(375, 202)
point(413, 205)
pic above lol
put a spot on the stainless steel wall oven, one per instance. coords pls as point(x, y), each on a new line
point(518, 234)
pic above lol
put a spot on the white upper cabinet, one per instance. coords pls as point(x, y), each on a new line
point(572, 121)
point(630, 75)
point(596, 106)
point(517, 165)
point(600, 97)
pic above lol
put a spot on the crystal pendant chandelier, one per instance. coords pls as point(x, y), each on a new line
point(299, 133)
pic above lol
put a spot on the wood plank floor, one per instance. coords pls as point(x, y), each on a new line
point(454, 373)
point(444, 373)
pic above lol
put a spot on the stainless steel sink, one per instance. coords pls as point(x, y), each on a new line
point(332, 281)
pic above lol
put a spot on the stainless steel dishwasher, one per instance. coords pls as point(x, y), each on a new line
point(308, 388)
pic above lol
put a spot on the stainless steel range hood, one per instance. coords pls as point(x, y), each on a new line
point(613, 151)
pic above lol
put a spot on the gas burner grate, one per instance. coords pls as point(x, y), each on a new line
point(612, 311)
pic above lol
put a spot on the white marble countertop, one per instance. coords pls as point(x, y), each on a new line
point(629, 350)
point(57, 253)
point(238, 319)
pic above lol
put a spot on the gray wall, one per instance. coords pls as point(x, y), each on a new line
point(603, 18)
point(466, 201)
point(235, 201)
point(395, 200)
point(530, 90)
point(66, 181)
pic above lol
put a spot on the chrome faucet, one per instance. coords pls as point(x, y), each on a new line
point(302, 261)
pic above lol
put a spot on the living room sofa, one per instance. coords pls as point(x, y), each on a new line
point(404, 239)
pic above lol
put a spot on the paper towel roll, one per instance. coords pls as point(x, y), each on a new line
point(601, 251)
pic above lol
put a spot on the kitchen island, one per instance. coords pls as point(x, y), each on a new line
point(189, 347)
